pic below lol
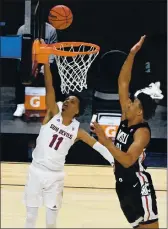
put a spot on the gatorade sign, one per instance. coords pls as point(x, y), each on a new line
point(35, 98)
point(109, 123)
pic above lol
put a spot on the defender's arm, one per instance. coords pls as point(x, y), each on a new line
point(125, 76)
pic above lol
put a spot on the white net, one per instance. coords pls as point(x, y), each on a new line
point(73, 69)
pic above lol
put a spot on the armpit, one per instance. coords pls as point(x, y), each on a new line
point(47, 118)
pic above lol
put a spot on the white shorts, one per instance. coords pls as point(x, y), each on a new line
point(44, 187)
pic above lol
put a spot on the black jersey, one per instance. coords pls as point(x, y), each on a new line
point(123, 140)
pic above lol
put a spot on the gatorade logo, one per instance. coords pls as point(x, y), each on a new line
point(110, 131)
point(35, 101)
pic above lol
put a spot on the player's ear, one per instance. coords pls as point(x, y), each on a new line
point(77, 112)
point(140, 111)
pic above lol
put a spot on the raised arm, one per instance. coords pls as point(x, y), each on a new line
point(85, 137)
point(125, 76)
point(50, 93)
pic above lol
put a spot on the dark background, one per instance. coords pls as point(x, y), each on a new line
point(111, 25)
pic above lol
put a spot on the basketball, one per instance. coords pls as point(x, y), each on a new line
point(60, 17)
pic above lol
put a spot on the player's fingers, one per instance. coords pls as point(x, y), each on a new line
point(96, 125)
point(92, 129)
point(42, 41)
point(142, 39)
point(97, 128)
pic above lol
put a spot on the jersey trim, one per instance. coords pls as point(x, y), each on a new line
point(146, 197)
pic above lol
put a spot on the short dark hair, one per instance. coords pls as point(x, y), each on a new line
point(148, 105)
point(82, 104)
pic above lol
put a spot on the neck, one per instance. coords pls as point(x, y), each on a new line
point(135, 121)
point(66, 119)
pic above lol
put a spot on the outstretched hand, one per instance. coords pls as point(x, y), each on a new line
point(42, 41)
point(138, 45)
point(100, 133)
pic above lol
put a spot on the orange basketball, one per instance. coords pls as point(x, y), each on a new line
point(60, 17)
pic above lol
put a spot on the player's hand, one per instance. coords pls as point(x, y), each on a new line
point(100, 133)
point(138, 45)
point(42, 41)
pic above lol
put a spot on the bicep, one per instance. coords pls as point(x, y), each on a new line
point(50, 101)
point(134, 151)
point(85, 137)
point(141, 140)
point(50, 92)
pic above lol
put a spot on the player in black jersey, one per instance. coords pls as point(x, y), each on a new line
point(133, 184)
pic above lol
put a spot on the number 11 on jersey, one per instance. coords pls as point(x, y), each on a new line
point(57, 140)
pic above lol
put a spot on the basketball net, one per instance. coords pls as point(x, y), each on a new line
point(73, 61)
point(73, 68)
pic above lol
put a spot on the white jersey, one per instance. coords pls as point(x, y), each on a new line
point(54, 142)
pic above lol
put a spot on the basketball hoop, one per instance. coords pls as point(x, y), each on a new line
point(73, 61)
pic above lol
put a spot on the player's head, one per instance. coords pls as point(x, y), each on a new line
point(73, 105)
point(142, 106)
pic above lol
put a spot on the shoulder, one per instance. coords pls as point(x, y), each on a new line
point(142, 135)
point(49, 116)
point(21, 29)
point(50, 27)
point(76, 122)
point(142, 127)
point(142, 131)
point(81, 133)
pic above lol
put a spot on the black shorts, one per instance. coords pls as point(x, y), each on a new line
point(138, 200)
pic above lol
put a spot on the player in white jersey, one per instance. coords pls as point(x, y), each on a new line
point(46, 173)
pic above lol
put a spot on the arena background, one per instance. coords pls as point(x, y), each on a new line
point(115, 25)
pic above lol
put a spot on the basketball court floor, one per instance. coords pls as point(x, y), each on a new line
point(89, 198)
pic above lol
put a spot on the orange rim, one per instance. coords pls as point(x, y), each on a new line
point(54, 49)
